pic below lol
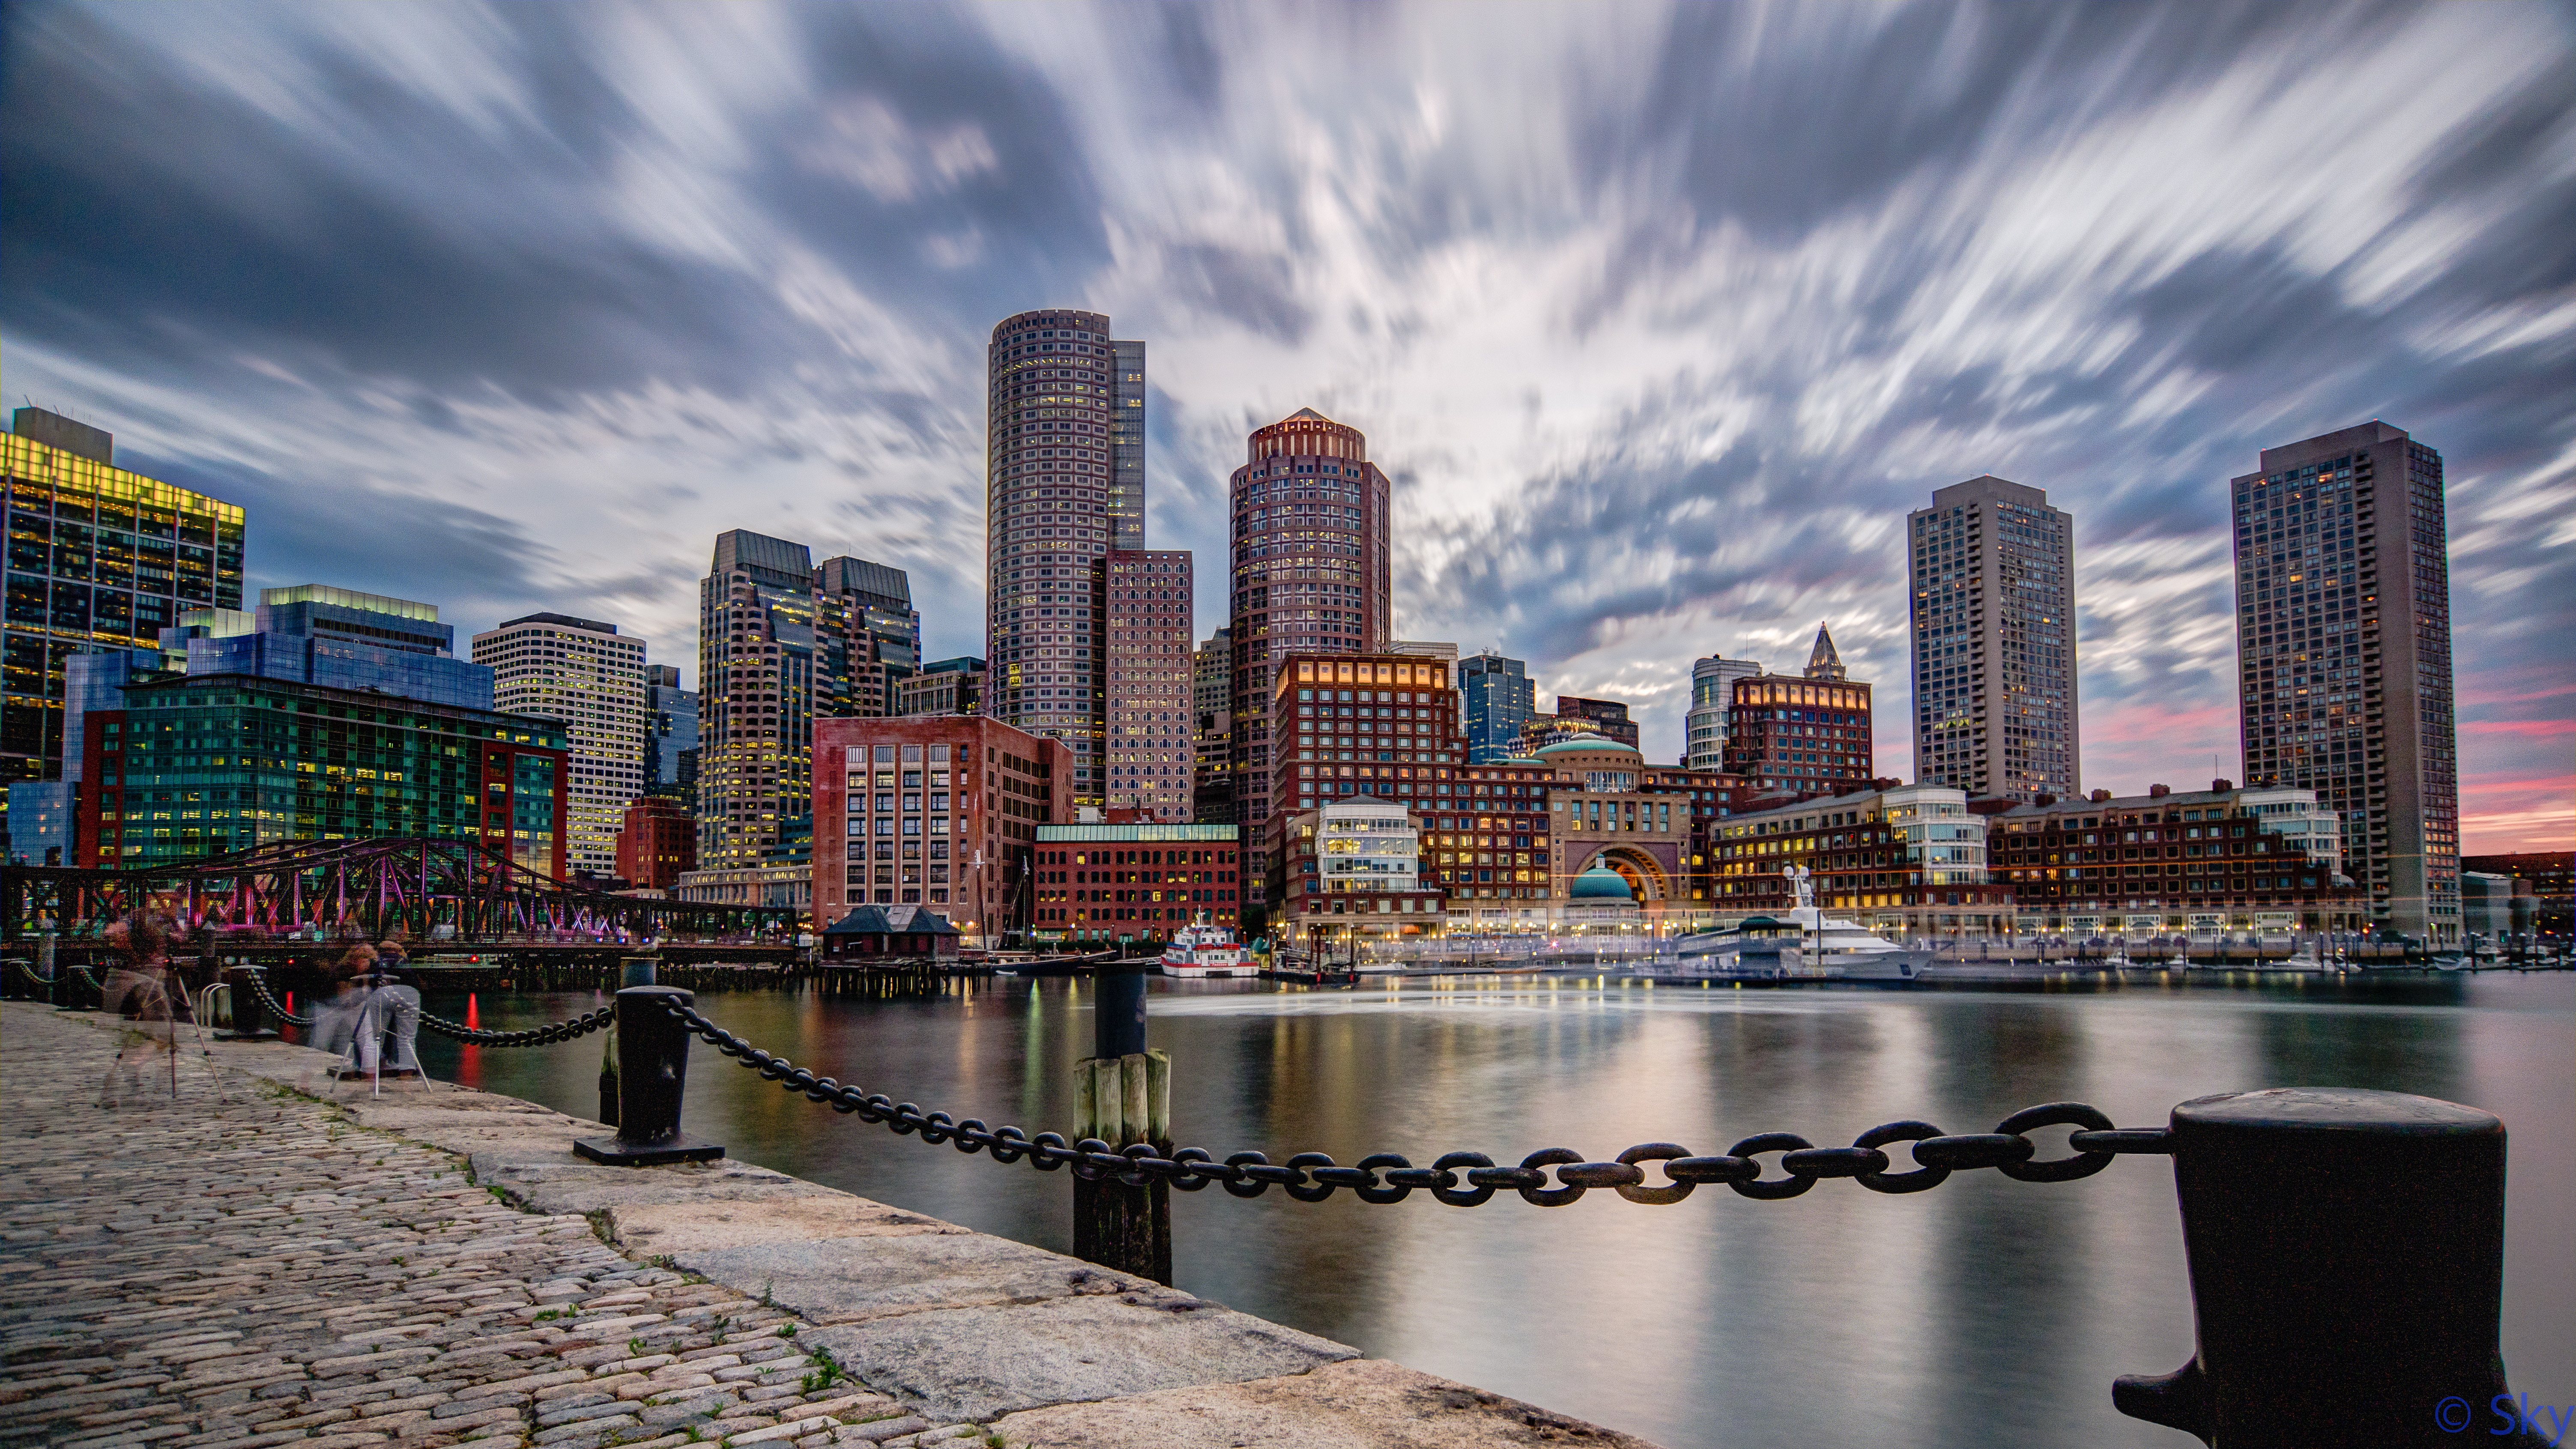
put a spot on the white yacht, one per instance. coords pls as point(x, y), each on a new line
point(1205, 949)
point(1804, 944)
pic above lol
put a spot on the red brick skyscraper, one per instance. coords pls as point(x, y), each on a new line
point(1064, 481)
point(1146, 599)
point(1310, 574)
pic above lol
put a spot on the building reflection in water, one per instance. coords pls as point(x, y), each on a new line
point(1984, 1311)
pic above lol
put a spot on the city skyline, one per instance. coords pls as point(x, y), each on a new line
point(1600, 492)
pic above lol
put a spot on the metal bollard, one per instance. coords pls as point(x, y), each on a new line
point(250, 1018)
point(2347, 1272)
point(653, 1058)
point(635, 971)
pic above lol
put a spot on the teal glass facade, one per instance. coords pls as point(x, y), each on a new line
point(198, 765)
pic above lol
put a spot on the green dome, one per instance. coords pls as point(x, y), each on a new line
point(1601, 883)
point(1581, 742)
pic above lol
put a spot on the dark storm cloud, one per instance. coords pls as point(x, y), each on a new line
point(165, 223)
point(346, 534)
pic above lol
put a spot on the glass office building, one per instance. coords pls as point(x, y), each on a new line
point(99, 558)
point(202, 765)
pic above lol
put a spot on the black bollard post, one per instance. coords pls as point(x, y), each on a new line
point(653, 1061)
point(1124, 1099)
point(637, 971)
point(250, 1018)
point(2347, 1272)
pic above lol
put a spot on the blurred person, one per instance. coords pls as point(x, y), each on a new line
point(145, 989)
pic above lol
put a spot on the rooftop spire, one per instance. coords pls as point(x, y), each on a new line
point(1823, 662)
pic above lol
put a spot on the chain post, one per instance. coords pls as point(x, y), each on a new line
point(250, 1009)
point(633, 971)
point(653, 1053)
point(1125, 1099)
point(2346, 1252)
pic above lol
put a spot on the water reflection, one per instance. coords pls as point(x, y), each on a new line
point(1986, 1311)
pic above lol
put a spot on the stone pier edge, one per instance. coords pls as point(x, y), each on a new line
point(1032, 1349)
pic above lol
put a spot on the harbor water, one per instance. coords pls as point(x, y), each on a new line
point(1986, 1311)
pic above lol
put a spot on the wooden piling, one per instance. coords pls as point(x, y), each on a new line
point(1123, 1101)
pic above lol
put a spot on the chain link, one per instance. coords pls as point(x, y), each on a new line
point(1387, 1178)
point(550, 1033)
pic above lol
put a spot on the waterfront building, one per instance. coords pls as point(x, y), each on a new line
point(2343, 650)
point(2552, 874)
point(786, 887)
point(1993, 623)
point(197, 765)
point(1310, 564)
point(671, 736)
point(1064, 483)
point(1712, 698)
point(2224, 859)
point(1351, 869)
point(586, 674)
point(1100, 881)
point(1212, 714)
point(657, 843)
point(944, 686)
point(1910, 861)
point(782, 643)
point(934, 810)
point(1810, 733)
point(1144, 598)
point(1599, 814)
point(1499, 700)
point(1362, 724)
point(1607, 718)
point(99, 559)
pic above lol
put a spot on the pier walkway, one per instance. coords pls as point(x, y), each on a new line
point(251, 1266)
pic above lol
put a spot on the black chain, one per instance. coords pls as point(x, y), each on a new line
point(550, 1033)
point(1386, 1177)
point(259, 985)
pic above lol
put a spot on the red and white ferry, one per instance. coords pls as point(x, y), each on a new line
point(1204, 949)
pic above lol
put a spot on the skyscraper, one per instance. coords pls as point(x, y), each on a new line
point(780, 644)
point(98, 558)
point(1993, 608)
point(587, 675)
point(1145, 596)
point(1310, 573)
point(1064, 482)
point(1499, 700)
point(1712, 694)
point(2343, 630)
point(1212, 710)
point(1810, 733)
point(671, 740)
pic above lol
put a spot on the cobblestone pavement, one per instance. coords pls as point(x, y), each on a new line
point(246, 1266)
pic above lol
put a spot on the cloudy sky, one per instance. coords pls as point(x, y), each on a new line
point(1659, 317)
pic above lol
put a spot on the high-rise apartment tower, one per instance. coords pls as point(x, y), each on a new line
point(1993, 606)
point(782, 643)
point(2343, 630)
point(1145, 596)
point(1064, 483)
point(1310, 573)
point(587, 675)
point(1712, 694)
point(1212, 712)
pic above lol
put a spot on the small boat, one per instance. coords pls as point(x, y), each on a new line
point(1204, 949)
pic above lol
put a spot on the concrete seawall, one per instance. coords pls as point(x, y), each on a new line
point(318, 1255)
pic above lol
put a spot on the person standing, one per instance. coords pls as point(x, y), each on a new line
point(144, 989)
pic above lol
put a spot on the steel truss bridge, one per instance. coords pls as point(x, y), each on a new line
point(440, 895)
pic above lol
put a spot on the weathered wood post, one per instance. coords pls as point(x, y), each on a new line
point(1124, 1097)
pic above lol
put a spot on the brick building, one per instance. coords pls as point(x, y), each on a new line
point(1909, 859)
point(657, 843)
point(934, 810)
point(1103, 881)
point(2221, 859)
point(1148, 764)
